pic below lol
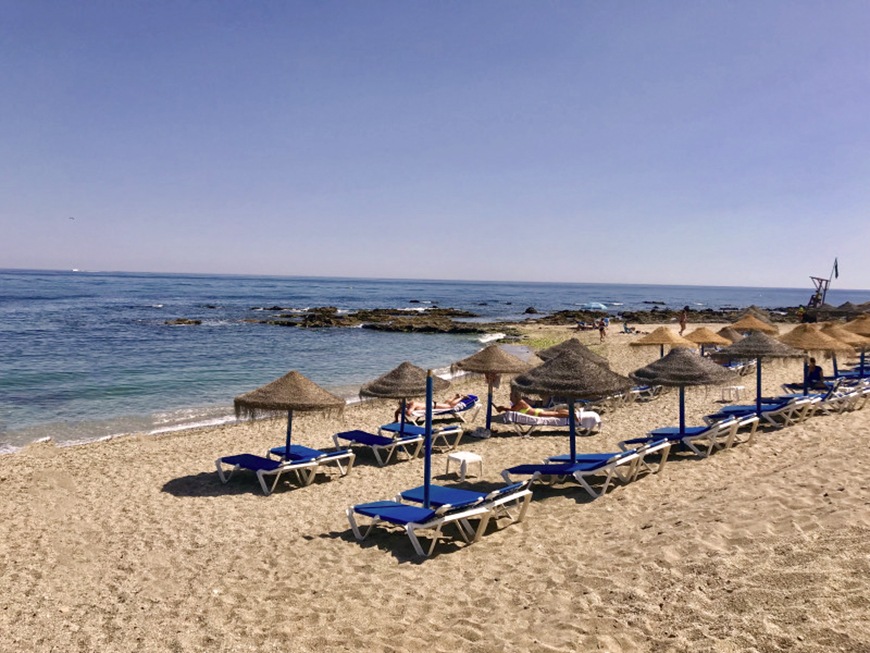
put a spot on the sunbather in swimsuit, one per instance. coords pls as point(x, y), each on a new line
point(522, 406)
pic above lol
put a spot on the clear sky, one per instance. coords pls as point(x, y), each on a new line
point(723, 143)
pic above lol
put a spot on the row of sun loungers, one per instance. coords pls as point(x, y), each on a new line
point(470, 512)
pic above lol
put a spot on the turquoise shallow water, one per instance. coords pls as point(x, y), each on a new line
point(88, 355)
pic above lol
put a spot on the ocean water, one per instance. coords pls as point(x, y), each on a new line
point(89, 355)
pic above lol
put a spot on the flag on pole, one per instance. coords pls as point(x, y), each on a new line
point(836, 270)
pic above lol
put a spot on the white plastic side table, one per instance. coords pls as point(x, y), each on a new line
point(730, 392)
point(463, 458)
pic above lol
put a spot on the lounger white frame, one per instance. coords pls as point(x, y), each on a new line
point(443, 516)
point(305, 472)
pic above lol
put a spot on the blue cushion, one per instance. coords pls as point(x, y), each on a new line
point(440, 495)
point(674, 431)
point(394, 512)
point(368, 439)
point(298, 453)
point(251, 462)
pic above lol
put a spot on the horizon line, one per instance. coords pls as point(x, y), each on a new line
point(412, 279)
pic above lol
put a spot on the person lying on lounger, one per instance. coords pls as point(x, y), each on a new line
point(524, 407)
point(418, 406)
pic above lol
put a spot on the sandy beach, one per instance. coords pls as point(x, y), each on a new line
point(134, 544)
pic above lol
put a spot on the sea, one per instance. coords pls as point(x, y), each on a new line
point(89, 355)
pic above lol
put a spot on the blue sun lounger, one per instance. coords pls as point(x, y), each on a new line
point(469, 402)
point(382, 446)
point(777, 412)
point(263, 467)
point(446, 437)
point(700, 440)
point(623, 466)
point(416, 518)
point(643, 447)
point(499, 500)
point(448, 505)
point(303, 462)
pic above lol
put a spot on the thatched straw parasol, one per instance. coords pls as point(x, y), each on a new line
point(844, 335)
point(663, 336)
point(572, 376)
point(492, 361)
point(572, 344)
point(752, 323)
point(837, 332)
point(758, 345)
point(704, 336)
point(807, 338)
point(408, 380)
point(403, 382)
point(291, 392)
point(860, 325)
point(730, 334)
point(759, 313)
point(680, 368)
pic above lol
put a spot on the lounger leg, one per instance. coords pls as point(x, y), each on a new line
point(220, 470)
point(261, 476)
point(412, 535)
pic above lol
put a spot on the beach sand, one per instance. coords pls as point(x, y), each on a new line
point(134, 544)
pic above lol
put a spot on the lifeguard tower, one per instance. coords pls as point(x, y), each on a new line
point(822, 284)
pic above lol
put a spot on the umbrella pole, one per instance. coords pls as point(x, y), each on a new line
point(682, 411)
point(836, 373)
point(289, 431)
point(489, 408)
point(806, 373)
point(402, 418)
point(661, 351)
point(861, 372)
point(427, 463)
point(758, 385)
point(572, 429)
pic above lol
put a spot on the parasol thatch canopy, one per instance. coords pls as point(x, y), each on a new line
point(683, 367)
point(495, 360)
point(573, 376)
point(704, 336)
point(731, 334)
point(663, 336)
point(759, 345)
point(572, 344)
point(752, 323)
point(754, 311)
point(844, 335)
point(291, 392)
point(860, 325)
point(807, 338)
point(405, 381)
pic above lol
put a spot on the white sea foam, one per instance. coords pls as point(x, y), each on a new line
point(491, 337)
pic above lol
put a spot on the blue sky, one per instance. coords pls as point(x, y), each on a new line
point(692, 142)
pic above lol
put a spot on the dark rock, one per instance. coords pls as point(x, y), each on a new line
point(531, 310)
point(182, 321)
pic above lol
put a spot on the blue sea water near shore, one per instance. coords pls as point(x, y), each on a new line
point(89, 355)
